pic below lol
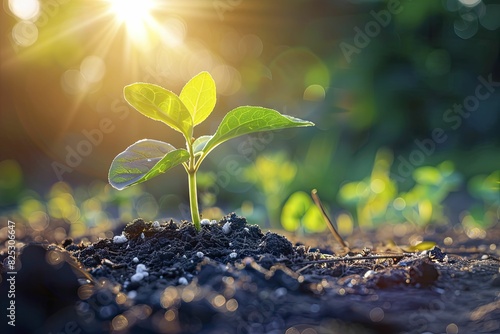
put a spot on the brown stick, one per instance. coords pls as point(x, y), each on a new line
point(329, 223)
point(355, 258)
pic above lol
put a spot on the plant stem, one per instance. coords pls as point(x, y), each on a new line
point(193, 200)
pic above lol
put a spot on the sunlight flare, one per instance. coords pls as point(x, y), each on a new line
point(135, 15)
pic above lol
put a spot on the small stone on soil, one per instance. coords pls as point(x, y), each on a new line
point(120, 239)
point(226, 229)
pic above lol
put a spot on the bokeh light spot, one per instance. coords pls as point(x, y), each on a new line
point(399, 203)
point(251, 46)
point(314, 93)
point(470, 3)
point(25, 33)
point(490, 19)
point(377, 186)
point(448, 241)
point(227, 79)
point(376, 314)
point(452, 329)
point(232, 305)
point(170, 315)
point(93, 68)
point(466, 26)
point(54, 257)
point(24, 9)
point(218, 301)
point(38, 220)
point(120, 322)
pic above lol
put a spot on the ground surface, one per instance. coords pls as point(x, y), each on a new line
point(231, 277)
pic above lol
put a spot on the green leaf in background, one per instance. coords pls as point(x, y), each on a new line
point(143, 160)
point(199, 97)
point(424, 245)
point(300, 211)
point(427, 175)
point(161, 105)
point(248, 119)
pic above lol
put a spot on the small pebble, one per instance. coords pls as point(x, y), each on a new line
point(205, 222)
point(200, 255)
point(120, 239)
point(135, 260)
point(369, 274)
point(137, 277)
point(156, 224)
point(226, 229)
point(140, 268)
point(485, 257)
point(183, 281)
point(233, 255)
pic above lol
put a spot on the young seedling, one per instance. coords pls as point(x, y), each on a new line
point(148, 158)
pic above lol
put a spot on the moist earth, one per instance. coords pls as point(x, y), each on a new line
point(231, 277)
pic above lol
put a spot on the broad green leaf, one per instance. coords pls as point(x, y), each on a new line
point(161, 105)
point(144, 160)
point(248, 119)
point(199, 143)
point(199, 97)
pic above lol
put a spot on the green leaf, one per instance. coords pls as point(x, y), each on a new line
point(424, 245)
point(200, 143)
point(199, 97)
point(247, 119)
point(144, 160)
point(161, 105)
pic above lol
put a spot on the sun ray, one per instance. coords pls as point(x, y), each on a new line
point(135, 15)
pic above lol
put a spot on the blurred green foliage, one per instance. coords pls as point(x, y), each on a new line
point(300, 214)
point(376, 200)
point(486, 188)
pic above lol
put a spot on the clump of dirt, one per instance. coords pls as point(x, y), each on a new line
point(230, 277)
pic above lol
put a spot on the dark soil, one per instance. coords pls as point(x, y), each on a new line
point(233, 278)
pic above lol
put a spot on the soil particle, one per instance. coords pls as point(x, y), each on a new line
point(134, 229)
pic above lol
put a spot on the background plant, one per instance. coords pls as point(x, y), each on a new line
point(376, 199)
